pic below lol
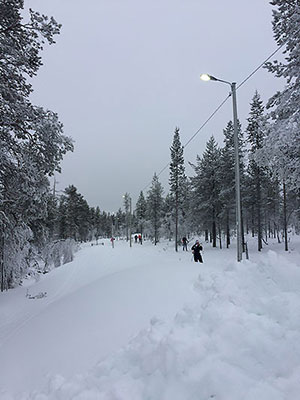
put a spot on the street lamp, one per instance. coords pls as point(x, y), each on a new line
point(206, 77)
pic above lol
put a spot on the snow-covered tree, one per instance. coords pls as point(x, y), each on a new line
point(282, 144)
point(206, 186)
point(96, 222)
point(227, 175)
point(177, 179)
point(126, 201)
point(31, 140)
point(141, 212)
point(155, 207)
point(281, 148)
point(256, 131)
point(168, 217)
point(75, 217)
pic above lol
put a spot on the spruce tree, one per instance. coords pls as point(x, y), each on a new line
point(155, 207)
point(97, 223)
point(127, 200)
point(206, 189)
point(31, 140)
point(177, 178)
point(282, 145)
point(256, 131)
point(140, 211)
point(227, 175)
point(168, 217)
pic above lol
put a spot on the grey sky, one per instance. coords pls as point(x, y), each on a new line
point(124, 74)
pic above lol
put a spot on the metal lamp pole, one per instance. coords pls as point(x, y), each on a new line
point(207, 77)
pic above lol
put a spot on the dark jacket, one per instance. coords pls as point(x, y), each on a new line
point(197, 248)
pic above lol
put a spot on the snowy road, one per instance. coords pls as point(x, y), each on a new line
point(93, 307)
point(147, 323)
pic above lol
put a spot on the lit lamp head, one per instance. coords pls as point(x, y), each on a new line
point(206, 77)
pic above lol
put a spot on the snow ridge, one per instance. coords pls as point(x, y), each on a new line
point(239, 341)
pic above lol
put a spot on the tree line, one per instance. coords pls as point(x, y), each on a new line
point(39, 229)
point(269, 161)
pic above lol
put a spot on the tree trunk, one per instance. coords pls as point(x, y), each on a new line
point(127, 228)
point(206, 235)
point(227, 229)
point(243, 236)
point(214, 230)
point(2, 260)
point(259, 230)
point(252, 221)
point(176, 222)
point(247, 223)
point(276, 232)
point(242, 229)
point(285, 218)
point(220, 236)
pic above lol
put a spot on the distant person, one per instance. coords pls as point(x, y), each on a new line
point(135, 238)
point(196, 249)
point(184, 243)
point(112, 242)
point(140, 239)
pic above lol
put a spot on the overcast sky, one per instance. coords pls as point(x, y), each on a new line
point(124, 73)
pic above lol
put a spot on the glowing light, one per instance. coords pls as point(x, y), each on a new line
point(205, 77)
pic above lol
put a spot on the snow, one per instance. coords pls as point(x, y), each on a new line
point(146, 323)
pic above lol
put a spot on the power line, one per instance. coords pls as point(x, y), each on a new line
point(194, 135)
point(208, 119)
point(257, 68)
point(220, 106)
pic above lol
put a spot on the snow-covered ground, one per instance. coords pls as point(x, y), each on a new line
point(145, 323)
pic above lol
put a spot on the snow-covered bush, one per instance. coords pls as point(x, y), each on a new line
point(16, 254)
point(58, 252)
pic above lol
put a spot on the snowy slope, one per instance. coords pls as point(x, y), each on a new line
point(146, 323)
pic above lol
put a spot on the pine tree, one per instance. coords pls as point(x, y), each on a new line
point(206, 188)
point(168, 217)
point(155, 207)
point(31, 140)
point(227, 175)
point(119, 222)
point(141, 211)
point(97, 224)
point(83, 219)
point(127, 201)
point(177, 178)
point(256, 131)
point(282, 145)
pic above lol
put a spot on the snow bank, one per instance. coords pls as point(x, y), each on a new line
point(239, 341)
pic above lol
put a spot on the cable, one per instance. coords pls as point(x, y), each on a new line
point(194, 135)
point(256, 69)
point(218, 108)
point(208, 119)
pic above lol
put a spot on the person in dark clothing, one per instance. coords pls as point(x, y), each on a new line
point(184, 243)
point(196, 249)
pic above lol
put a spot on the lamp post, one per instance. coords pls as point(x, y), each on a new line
point(206, 77)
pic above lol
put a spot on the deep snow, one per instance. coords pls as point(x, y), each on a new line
point(145, 323)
